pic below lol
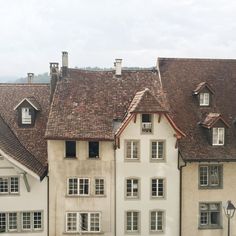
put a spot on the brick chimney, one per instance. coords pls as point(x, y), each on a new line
point(64, 64)
point(118, 67)
point(30, 77)
point(54, 73)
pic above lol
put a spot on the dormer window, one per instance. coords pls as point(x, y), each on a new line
point(146, 123)
point(204, 99)
point(218, 136)
point(26, 117)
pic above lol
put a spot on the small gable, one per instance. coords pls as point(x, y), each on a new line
point(203, 87)
point(213, 119)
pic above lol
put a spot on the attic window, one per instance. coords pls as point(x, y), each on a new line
point(146, 123)
point(26, 116)
point(93, 149)
point(70, 149)
point(218, 136)
point(204, 99)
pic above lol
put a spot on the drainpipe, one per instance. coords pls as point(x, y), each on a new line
point(115, 188)
point(180, 166)
point(48, 203)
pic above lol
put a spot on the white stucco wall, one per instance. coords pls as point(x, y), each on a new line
point(145, 170)
point(35, 200)
point(61, 168)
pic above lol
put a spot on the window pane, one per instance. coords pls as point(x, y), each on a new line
point(2, 221)
point(214, 176)
point(14, 183)
point(146, 123)
point(215, 136)
point(26, 221)
point(156, 220)
point(132, 187)
point(157, 187)
point(203, 175)
point(12, 224)
point(94, 222)
point(204, 218)
point(154, 150)
point(132, 221)
point(221, 135)
point(132, 149)
point(93, 149)
point(3, 185)
point(37, 220)
point(99, 186)
point(71, 222)
point(70, 149)
point(215, 218)
point(84, 221)
point(73, 186)
point(83, 186)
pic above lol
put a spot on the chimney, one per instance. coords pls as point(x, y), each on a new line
point(30, 77)
point(64, 64)
point(118, 67)
point(54, 73)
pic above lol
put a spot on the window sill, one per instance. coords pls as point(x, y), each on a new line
point(77, 233)
point(160, 160)
point(157, 232)
point(209, 227)
point(210, 187)
point(70, 158)
point(132, 160)
point(85, 196)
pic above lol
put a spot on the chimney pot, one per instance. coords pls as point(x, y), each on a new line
point(54, 68)
point(30, 77)
point(118, 67)
point(64, 59)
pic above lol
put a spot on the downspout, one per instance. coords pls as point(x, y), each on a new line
point(48, 203)
point(115, 188)
point(180, 191)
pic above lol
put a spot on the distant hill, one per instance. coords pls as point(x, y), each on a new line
point(40, 78)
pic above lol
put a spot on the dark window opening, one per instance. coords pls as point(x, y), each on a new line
point(70, 149)
point(93, 149)
point(146, 118)
point(146, 123)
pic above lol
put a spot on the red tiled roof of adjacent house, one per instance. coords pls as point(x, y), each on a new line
point(32, 138)
point(86, 104)
point(211, 119)
point(179, 79)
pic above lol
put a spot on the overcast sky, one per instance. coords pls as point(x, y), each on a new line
point(95, 32)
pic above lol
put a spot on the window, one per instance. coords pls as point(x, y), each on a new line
point(132, 188)
point(132, 150)
point(204, 99)
point(210, 215)
point(9, 185)
point(157, 187)
point(3, 221)
point(218, 136)
point(37, 222)
point(157, 150)
point(132, 218)
point(210, 176)
point(83, 222)
point(12, 221)
point(26, 117)
point(26, 221)
point(146, 123)
point(78, 186)
point(70, 149)
point(99, 187)
point(157, 221)
point(93, 149)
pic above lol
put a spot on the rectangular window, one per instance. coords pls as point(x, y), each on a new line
point(72, 187)
point(204, 99)
point(210, 215)
point(83, 222)
point(12, 221)
point(132, 188)
point(210, 176)
point(78, 186)
point(157, 221)
point(132, 219)
point(37, 220)
point(26, 116)
point(83, 186)
point(9, 185)
point(218, 136)
point(26, 221)
point(157, 150)
point(132, 149)
point(99, 187)
point(70, 149)
point(3, 222)
point(93, 149)
point(146, 123)
point(157, 187)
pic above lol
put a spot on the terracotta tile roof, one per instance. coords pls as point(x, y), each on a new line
point(32, 139)
point(211, 119)
point(86, 104)
point(183, 75)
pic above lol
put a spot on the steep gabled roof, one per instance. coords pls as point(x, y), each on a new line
point(32, 101)
point(211, 119)
point(87, 102)
point(183, 74)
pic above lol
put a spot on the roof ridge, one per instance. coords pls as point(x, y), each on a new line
point(24, 84)
point(196, 59)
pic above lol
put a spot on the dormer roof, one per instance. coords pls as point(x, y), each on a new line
point(202, 86)
point(145, 102)
point(32, 101)
point(211, 119)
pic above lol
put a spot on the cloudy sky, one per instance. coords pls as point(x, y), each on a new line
point(95, 32)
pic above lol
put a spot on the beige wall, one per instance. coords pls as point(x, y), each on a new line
point(192, 195)
point(60, 169)
point(144, 169)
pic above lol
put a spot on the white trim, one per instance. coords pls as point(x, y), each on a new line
point(19, 165)
point(26, 99)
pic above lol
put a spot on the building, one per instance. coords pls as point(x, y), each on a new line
point(24, 111)
point(201, 95)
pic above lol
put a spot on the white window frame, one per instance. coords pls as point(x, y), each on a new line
point(131, 156)
point(156, 212)
point(132, 225)
point(99, 187)
point(204, 99)
point(15, 223)
point(26, 117)
point(3, 223)
point(30, 221)
point(131, 193)
point(41, 221)
point(10, 184)
point(78, 223)
point(158, 194)
point(78, 186)
point(157, 154)
point(218, 136)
